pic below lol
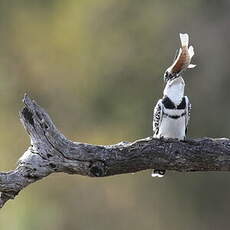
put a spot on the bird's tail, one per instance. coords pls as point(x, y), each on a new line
point(184, 38)
point(158, 173)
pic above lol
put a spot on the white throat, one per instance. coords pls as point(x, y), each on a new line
point(174, 89)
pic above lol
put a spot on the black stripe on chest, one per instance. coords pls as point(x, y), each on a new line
point(168, 104)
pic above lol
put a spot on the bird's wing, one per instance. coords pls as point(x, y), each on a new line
point(157, 116)
point(188, 112)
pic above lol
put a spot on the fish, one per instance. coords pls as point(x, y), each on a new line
point(183, 59)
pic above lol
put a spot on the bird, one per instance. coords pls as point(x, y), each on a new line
point(172, 112)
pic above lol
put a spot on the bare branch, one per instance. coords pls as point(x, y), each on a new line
point(51, 152)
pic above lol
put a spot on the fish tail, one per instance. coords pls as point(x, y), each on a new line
point(184, 38)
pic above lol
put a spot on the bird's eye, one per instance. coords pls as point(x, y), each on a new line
point(166, 76)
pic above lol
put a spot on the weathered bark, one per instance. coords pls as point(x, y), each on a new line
point(51, 152)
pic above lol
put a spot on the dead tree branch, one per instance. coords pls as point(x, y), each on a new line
point(51, 152)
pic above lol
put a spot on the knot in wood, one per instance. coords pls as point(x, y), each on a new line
point(28, 116)
point(97, 169)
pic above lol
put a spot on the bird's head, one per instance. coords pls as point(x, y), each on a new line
point(176, 81)
point(174, 88)
point(168, 76)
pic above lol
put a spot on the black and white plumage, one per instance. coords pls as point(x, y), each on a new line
point(176, 118)
point(171, 114)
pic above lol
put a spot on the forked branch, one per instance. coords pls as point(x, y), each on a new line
point(51, 152)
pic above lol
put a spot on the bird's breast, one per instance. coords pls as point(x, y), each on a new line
point(173, 124)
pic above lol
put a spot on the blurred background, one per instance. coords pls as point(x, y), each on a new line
point(97, 67)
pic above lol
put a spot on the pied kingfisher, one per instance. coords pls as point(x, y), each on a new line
point(172, 112)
